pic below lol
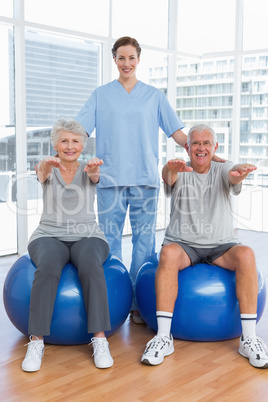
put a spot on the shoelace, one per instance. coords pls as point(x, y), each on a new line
point(34, 348)
point(153, 344)
point(99, 346)
point(258, 344)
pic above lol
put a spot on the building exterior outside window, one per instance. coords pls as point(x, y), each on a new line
point(205, 94)
point(209, 98)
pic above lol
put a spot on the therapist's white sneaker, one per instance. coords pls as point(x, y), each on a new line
point(137, 318)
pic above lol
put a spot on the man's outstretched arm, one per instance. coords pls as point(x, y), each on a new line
point(239, 172)
point(171, 169)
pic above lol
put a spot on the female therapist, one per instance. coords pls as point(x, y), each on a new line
point(127, 115)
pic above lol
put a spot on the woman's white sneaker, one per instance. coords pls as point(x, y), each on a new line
point(156, 349)
point(255, 350)
point(34, 354)
point(101, 353)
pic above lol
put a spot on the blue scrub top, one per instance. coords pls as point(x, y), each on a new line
point(127, 131)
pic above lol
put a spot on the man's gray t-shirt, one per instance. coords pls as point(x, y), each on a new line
point(201, 211)
point(68, 209)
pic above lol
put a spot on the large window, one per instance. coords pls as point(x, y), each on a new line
point(255, 25)
point(145, 20)
point(205, 95)
point(6, 8)
point(252, 210)
point(88, 16)
point(206, 26)
point(61, 73)
point(209, 57)
point(8, 234)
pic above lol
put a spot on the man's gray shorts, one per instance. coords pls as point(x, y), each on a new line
point(201, 254)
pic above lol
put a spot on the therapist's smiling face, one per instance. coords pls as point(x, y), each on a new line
point(127, 61)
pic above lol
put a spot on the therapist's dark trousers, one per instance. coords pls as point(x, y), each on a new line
point(50, 255)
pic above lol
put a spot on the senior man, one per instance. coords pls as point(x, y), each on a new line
point(201, 230)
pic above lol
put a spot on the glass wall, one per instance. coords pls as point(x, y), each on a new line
point(212, 66)
point(87, 16)
point(206, 26)
point(252, 203)
point(205, 94)
point(64, 53)
point(61, 73)
point(6, 8)
point(8, 233)
point(147, 21)
point(255, 31)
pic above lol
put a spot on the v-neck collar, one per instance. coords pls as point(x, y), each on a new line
point(58, 174)
point(123, 90)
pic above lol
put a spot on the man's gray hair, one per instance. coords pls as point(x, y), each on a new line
point(199, 128)
point(70, 125)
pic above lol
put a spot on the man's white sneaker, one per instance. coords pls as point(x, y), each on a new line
point(255, 350)
point(34, 354)
point(156, 349)
point(101, 353)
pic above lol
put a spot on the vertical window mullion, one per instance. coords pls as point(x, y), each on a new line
point(172, 65)
point(237, 81)
point(20, 122)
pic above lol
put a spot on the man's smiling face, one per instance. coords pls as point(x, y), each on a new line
point(201, 149)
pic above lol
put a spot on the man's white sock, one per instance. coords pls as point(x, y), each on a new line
point(248, 322)
point(164, 319)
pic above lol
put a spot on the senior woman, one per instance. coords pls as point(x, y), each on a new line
point(68, 232)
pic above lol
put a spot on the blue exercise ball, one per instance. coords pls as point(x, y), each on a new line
point(206, 308)
point(69, 321)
